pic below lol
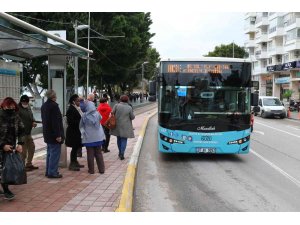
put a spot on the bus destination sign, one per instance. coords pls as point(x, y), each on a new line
point(212, 68)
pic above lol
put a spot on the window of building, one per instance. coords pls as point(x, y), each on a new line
point(286, 58)
point(291, 35)
point(270, 61)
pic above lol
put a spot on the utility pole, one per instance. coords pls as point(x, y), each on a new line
point(233, 49)
point(76, 62)
point(88, 59)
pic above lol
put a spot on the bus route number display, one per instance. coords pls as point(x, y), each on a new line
point(198, 68)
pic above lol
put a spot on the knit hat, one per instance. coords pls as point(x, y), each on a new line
point(24, 98)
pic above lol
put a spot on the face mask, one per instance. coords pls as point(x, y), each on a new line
point(24, 106)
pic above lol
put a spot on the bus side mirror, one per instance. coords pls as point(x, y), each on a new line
point(254, 99)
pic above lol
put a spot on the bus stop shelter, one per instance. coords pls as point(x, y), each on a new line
point(21, 41)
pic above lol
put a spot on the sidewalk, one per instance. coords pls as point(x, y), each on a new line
point(294, 115)
point(76, 191)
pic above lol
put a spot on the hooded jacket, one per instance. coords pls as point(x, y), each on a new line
point(90, 128)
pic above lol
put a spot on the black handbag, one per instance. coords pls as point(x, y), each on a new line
point(13, 172)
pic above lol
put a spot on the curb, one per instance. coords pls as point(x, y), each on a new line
point(125, 204)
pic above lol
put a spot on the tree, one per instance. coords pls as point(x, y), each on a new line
point(116, 61)
point(227, 51)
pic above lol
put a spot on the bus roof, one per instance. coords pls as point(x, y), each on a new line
point(206, 59)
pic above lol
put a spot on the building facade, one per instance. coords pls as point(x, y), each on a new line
point(272, 40)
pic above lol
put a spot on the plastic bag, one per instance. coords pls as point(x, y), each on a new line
point(13, 172)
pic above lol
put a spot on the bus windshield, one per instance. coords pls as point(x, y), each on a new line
point(190, 102)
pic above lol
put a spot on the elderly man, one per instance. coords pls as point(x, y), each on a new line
point(28, 120)
point(53, 133)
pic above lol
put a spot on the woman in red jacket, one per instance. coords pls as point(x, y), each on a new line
point(104, 109)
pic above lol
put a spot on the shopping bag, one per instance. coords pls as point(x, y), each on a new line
point(111, 122)
point(13, 172)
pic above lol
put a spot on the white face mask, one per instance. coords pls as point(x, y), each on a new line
point(25, 106)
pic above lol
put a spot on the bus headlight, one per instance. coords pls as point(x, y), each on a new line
point(239, 141)
point(170, 140)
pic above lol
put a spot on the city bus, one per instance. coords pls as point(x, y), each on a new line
point(204, 105)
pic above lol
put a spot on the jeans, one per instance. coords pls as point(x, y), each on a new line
point(53, 155)
point(122, 143)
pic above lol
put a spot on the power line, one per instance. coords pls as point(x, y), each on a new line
point(116, 64)
point(47, 21)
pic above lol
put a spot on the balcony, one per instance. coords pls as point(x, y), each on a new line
point(250, 28)
point(292, 45)
point(276, 31)
point(291, 24)
point(250, 14)
point(259, 70)
point(262, 21)
point(277, 50)
point(262, 54)
point(262, 38)
point(250, 43)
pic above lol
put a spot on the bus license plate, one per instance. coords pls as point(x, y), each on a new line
point(206, 150)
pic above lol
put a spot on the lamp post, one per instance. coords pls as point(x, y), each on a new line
point(88, 59)
point(143, 79)
point(77, 27)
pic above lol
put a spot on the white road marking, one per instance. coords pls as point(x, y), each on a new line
point(279, 130)
point(291, 178)
point(293, 127)
point(259, 132)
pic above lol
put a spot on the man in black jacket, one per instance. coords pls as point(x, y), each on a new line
point(53, 133)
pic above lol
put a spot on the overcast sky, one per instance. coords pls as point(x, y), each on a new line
point(190, 35)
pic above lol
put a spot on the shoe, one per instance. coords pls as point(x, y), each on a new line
point(74, 168)
point(106, 150)
point(32, 167)
point(78, 165)
point(55, 176)
point(91, 172)
point(122, 157)
point(9, 195)
point(101, 172)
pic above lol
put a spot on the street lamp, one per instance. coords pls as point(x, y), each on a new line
point(77, 27)
point(144, 63)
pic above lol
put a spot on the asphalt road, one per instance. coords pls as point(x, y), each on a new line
point(265, 180)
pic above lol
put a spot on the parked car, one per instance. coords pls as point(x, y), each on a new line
point(270, 106)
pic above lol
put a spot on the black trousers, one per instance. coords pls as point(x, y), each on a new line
point(73, 154)
point(5, 187)
point(107, 136)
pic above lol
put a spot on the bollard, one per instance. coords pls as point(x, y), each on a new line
point(289, 113)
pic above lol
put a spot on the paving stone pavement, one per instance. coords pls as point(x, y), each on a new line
point(78, 190)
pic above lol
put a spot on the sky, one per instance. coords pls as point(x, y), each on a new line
point(192, 35)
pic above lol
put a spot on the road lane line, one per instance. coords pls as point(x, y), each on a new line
point(279, 130)
point(259, 132)
point(291, 178)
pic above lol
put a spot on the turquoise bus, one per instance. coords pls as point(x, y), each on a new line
point(204, 106)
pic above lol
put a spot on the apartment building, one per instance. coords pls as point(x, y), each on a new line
point(272, 40)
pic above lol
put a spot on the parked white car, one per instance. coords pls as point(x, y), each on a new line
point(270, 106)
